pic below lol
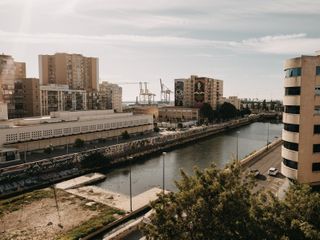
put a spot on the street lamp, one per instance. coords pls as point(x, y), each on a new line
point(268, 136)
point(238, 145)
point(130, 158)
point(163, 168)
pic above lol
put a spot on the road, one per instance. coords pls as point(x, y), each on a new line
point(275, 184)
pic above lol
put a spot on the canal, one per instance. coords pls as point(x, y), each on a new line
point(218, 149)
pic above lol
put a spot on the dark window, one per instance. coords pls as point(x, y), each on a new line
point(315, 167)
point(290, 164)
point(292, 109)
point(291, 127)
point(293, 72)
point(318, 70)
point(292, 91)
point(291, 145)
point(316, 129)
point(316, 148)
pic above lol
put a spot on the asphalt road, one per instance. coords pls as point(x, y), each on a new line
point(275, 184)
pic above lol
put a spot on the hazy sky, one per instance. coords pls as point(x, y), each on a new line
point(243, 43)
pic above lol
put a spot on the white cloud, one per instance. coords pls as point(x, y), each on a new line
point(278, 44)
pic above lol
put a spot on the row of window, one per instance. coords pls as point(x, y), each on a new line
point(291, 145)
point(295, 128)
point(25, 136)
point(296, 72)
point(292, 109)
point(294, 165)
point(292, 91)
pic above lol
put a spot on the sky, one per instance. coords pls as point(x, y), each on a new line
point(244, 43)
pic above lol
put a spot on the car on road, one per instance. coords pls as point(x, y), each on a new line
point(255, 172)
point(273, 171)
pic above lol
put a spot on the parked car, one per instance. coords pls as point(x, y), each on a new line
point(255, 172)
point(273, 171)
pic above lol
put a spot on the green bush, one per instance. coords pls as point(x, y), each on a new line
point(125, 135)
point(95, 160)
point(78, 143)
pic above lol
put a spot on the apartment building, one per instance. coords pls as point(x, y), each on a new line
point(27, 97)
point(110, 96)
point(74, 70)
point(9, 72)
point(55, 98)
point(194, 91)
point(301, 120)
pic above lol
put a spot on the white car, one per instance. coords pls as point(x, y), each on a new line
point(273, 171)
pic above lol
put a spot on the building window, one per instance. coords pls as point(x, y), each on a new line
point(316, 129)
point(315, 167)
point(292, 109)
point(316, 148)
point(289, 91)
point(316, 110)
point(290, 163)
point(291, 127)
point(291, 145)
point(293, 72)
point(318, 70)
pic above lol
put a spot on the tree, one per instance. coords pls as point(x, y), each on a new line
point(227, 111)
point(95, 160)
point(78, 143)
point(219, 204)
point(125, 135)
point(207, 112)
point(264, 105)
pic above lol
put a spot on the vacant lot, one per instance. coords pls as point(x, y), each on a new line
point(49, 214)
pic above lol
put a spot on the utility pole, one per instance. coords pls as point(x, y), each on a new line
point(163, 170)
point(130, 180)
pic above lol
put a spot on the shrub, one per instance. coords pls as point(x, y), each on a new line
point(78, 143)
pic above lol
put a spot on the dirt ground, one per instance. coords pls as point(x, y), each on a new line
point(44, 219)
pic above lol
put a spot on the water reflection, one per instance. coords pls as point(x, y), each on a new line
point(218, 149)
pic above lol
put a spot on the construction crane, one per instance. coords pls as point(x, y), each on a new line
point(145, 95)
point(165, 93)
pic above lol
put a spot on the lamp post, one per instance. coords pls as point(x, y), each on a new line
point(268, 136)
point(238, 145)
point(163, 169)
point(130, 190)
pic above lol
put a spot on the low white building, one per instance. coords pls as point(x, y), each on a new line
point(62, 127)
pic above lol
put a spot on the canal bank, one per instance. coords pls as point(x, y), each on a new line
point(43, 173)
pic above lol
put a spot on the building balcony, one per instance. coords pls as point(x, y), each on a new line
point(292, 82)
point(291, 118)
point(291, 100)
point(290, 136)
point(289, 154)
point(289, 172)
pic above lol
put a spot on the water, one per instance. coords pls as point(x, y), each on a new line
point(218, 149)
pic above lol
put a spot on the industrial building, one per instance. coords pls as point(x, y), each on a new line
point(194, 91)
point(61, 128)
point(178, 114)
point(301, 120)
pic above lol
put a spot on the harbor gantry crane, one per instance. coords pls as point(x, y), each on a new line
point(165, 93)
point(145, 95)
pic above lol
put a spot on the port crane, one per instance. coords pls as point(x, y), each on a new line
point(165, 93)
point(145, 95)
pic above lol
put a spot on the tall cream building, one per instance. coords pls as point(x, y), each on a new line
point(301, 119)
point(74, 70)
point(9, 72)
point(194, 91)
